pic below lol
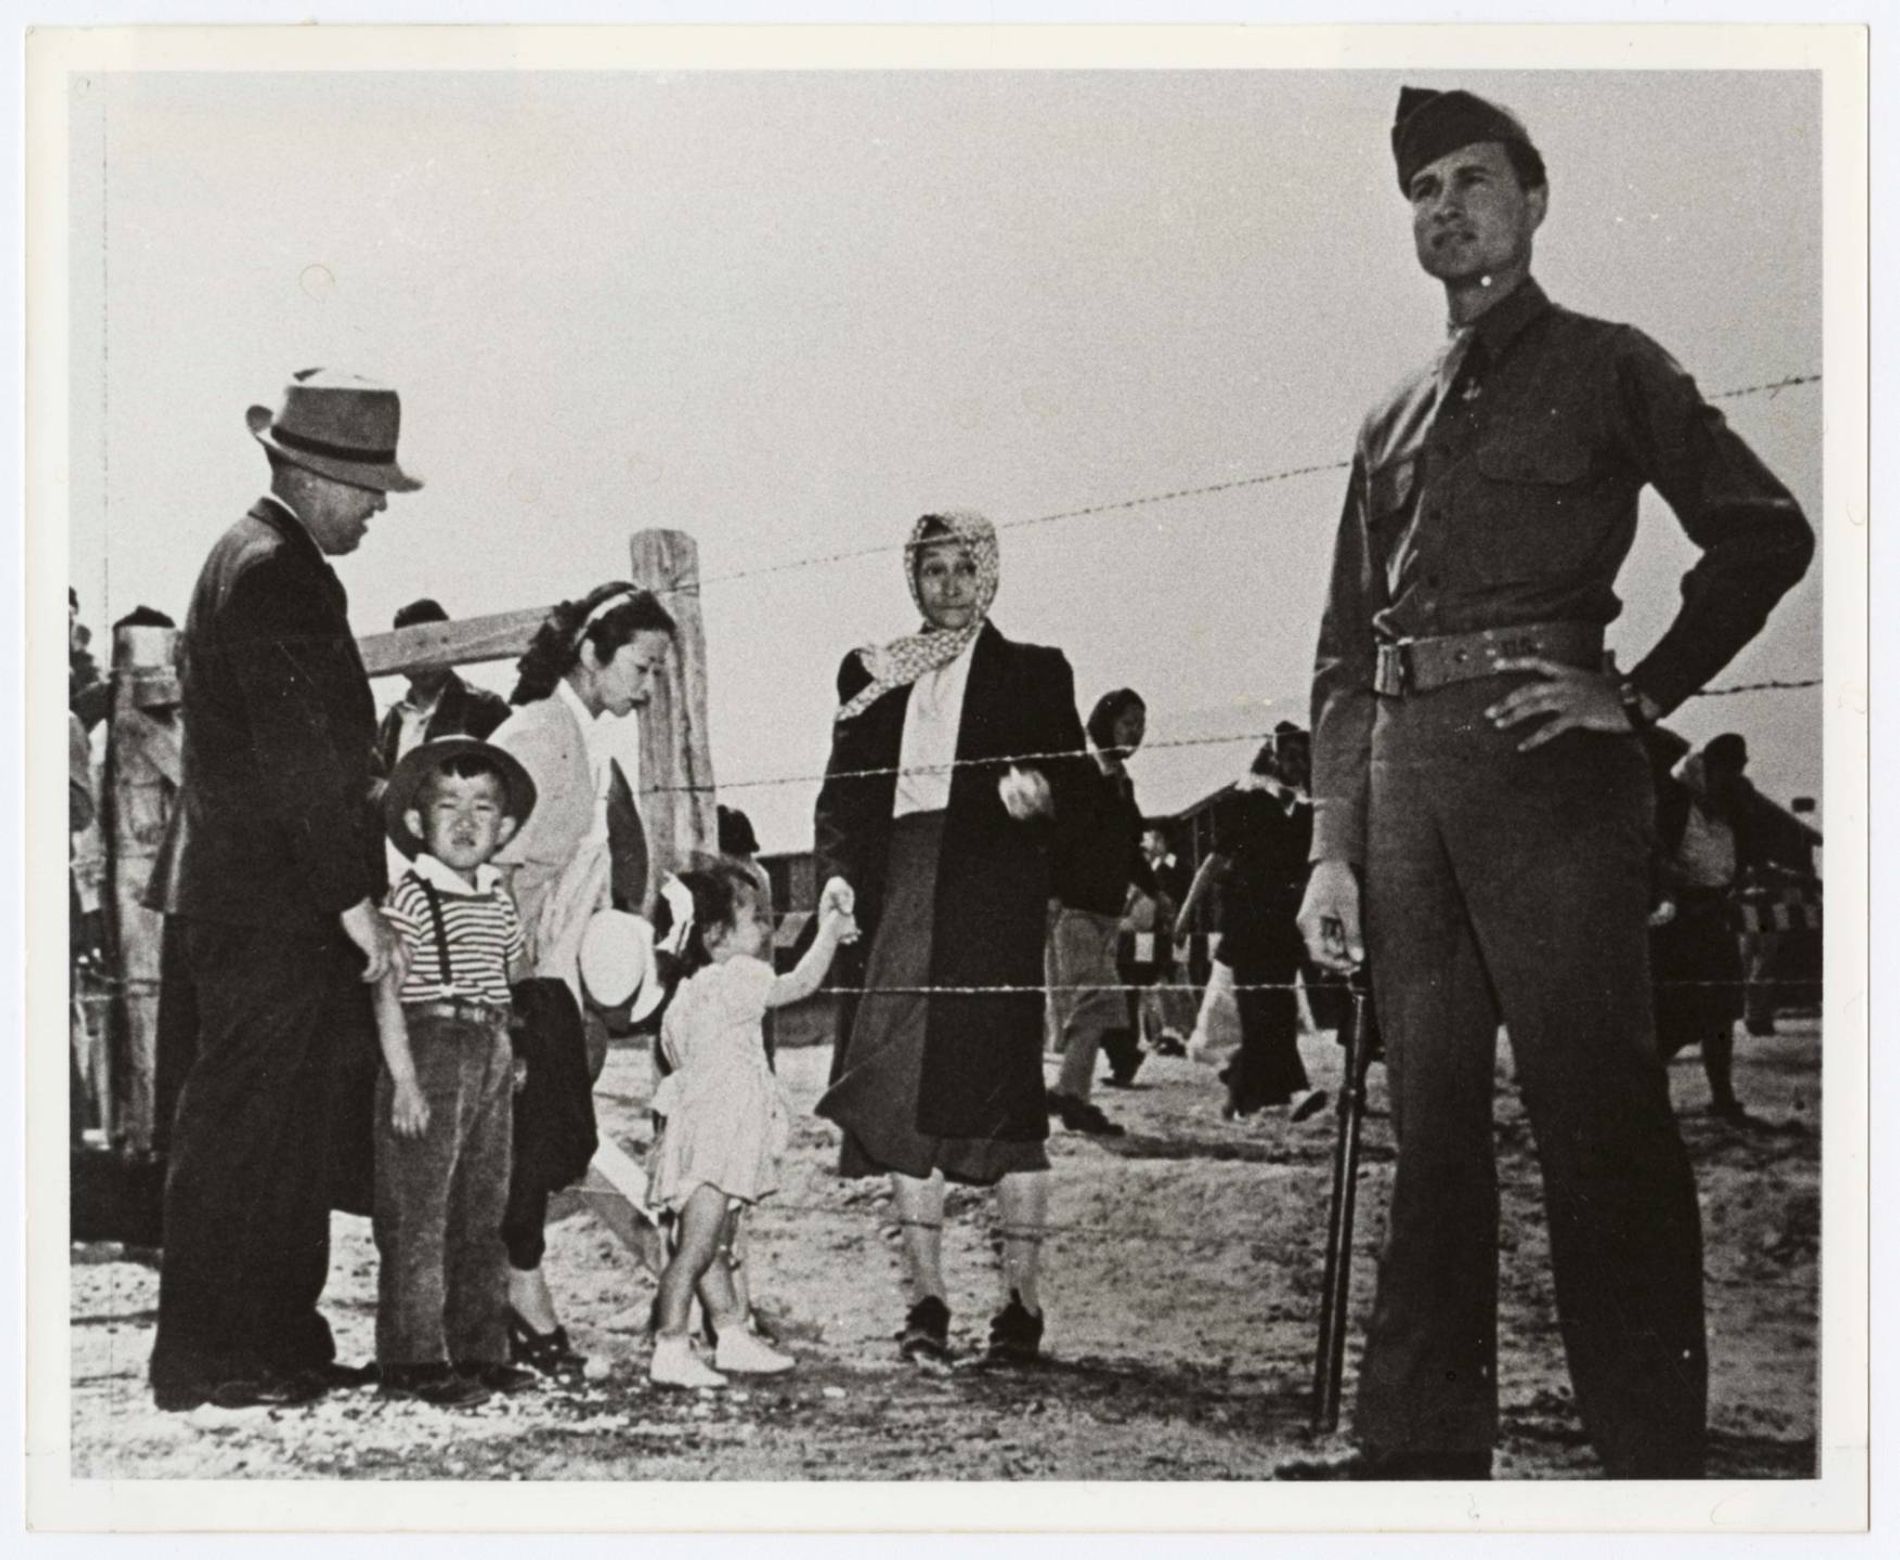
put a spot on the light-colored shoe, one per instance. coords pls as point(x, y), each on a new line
point(675, 1365)
point(746, 1353)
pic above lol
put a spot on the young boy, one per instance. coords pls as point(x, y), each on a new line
point(444, 1100)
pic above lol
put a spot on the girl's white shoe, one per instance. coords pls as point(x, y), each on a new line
point(675, 1365)
point(746, 1353)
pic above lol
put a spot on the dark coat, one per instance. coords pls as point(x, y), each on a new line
point(461, 711)
point(982, 1055)
point(273, 822)
point(1266, 843)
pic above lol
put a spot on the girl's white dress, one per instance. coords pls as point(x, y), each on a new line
point(725, 1122)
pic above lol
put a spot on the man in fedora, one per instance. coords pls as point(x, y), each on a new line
point(1478, 765)
point(273, 869)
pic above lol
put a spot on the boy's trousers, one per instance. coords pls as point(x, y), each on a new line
point(443, 1291)
point(1514, 887)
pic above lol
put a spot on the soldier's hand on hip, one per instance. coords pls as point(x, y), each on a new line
point(1565, 698)
point(1329, 917)
point(382, 949)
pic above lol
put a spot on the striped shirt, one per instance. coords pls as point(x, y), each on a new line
point(481, 927)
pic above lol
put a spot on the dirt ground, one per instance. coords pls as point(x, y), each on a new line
point(1181, 1291)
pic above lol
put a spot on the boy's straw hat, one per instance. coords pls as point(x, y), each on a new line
point(421, 761)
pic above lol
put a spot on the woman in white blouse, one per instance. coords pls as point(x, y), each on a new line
point(591, 657)
point(951, 754)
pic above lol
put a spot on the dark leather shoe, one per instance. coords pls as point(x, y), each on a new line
point(548, 1352)
point(1389, 1467)
point(434, 1384)
point(268, 1391)
point(496, 1376)
point(926, 1335)
point(339, 1377)
point(1015, 1334)
point(1082, 1116)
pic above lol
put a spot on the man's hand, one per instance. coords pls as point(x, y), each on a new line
point(1567, 699)
point(1329, 918)
point(383, 950)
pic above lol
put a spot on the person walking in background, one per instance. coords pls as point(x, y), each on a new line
point(1098, 863)
point(595, 656)
point(1703, 852)
point(438, 702)
point(1166, 1013)
point(273, 864)
point(942, 836)
point(1263, 830)
point(1477, 764)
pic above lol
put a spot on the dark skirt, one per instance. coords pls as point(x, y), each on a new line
point(1696, 961)
point(875, 1096)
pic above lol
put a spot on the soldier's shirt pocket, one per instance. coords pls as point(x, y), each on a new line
point(1530, 520)
point(1389, 490)
point(1389, 493)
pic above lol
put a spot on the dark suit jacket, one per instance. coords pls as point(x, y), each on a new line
point(462, 711)
point(982, 1073)
point(273, 822)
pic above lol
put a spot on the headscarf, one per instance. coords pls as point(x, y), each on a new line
point(901, 662)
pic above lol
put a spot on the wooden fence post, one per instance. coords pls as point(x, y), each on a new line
point(677, 805)
point(141, 781)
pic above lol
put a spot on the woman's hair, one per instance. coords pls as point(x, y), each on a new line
point(556, 646)
point(1267, 760)
point(736, 836)
point(719, 885)
point(1108, 709)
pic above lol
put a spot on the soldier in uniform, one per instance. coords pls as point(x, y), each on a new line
point(1478, 770)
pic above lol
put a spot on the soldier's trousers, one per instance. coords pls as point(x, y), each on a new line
point(1506, 887)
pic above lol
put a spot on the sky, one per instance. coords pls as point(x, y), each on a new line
point(788, 312)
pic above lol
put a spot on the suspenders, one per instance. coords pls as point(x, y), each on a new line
point(433, 895)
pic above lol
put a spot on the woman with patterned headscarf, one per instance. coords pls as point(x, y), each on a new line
point(951, 756)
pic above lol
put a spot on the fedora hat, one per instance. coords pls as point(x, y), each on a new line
point(415, 766)
point(339, 426)
point(618, 969)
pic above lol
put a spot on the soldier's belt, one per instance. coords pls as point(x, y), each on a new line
point(1420, 665)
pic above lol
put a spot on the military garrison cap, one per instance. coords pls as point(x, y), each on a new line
point(1430, 124)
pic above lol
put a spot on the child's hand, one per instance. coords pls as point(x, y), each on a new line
point(841, 924)
point(409, 1111)
point(1025, 794)
point(838, 895)
point(521, 1073)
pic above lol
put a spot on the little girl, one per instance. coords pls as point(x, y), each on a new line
point(724, 1123)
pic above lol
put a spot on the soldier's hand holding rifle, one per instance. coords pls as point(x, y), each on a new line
point(1329, 917)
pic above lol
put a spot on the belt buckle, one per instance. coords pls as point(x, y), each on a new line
point(1394, 674)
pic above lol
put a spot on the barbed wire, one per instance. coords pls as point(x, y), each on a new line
point(1769, 387)
point(810, 778)
point(115, 990)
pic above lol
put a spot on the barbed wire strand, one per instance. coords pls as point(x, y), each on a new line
point(1770, 387)
point(760, 781)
